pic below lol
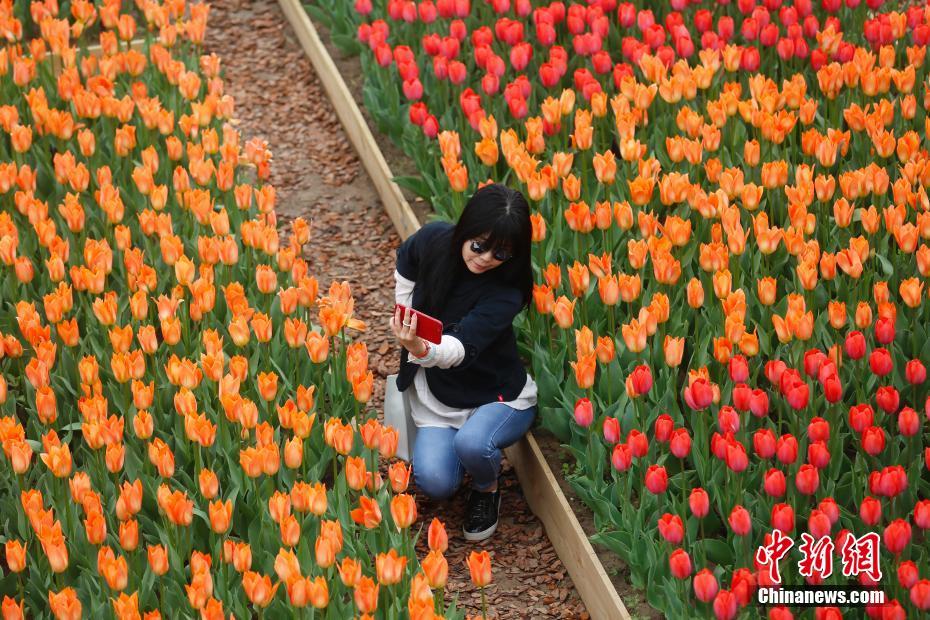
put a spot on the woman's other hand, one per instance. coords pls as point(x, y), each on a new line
point(404, 328)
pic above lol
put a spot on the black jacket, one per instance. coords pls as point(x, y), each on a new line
point(479, 312)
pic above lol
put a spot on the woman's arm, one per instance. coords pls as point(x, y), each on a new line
point(448, 352)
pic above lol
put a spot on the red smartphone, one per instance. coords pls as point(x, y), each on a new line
point(428, 328)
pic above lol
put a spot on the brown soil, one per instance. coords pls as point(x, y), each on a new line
point(317, 175)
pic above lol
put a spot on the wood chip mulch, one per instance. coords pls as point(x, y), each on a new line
point(318, 176)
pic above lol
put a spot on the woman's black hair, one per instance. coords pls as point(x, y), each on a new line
point(502, 215)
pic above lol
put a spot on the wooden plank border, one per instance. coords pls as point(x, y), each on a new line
point(540, 487)
point(352, 120)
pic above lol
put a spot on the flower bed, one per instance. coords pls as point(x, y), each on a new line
point(730, 211)
point(182, 413)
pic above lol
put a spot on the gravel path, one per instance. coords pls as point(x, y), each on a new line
point(318, 175)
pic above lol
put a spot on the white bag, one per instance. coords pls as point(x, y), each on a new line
point(397, 414)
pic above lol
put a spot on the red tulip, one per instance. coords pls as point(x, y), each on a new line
point(908, 422)
point(818, 429)
point(897, 535)
point(774, 483)
point(829, 508)
point(740, 521)
point(887, 398)
point(671, 528)
point(780, 613)
point(786, 449)
point(759, 403)
point(813, 358)
point(763, 443)
point(884, 330)
point(749, 61)
point(742, 396)
point(638, 443)
point(832, 388)
point(584, 412)
point(699, 395)
point(807, 480)
point(774, 369)
point(915, 372)
point(680, 443)
point(818, 455)
point(663, 427)
point(699, 502)
point(679, 564)
point(725, 606)
point(922, 514)
point(611, 430)
point(889, 482)
point(797, 394)
point(705, 585)
point(736, 458)
point(641, 379)
point(728, 419)
point(739, 369)
point(656, 479)
point(860, 417)
point(880, 362)
point(621, 458)
point(920, 594)
point(783, 518)
point(818, 524)
point(855, 345)
point(907, 574)
point(743, 586)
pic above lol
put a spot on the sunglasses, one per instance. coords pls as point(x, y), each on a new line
point(499, 255)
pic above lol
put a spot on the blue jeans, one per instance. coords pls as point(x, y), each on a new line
point(441, 455)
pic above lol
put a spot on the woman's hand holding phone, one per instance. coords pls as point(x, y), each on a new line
point(404, 328)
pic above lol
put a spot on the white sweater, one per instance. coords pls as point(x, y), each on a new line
point(424, 406)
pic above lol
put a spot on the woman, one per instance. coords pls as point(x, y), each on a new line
point(472, 395)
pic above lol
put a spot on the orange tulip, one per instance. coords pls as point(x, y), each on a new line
point(290, 531)
point(436, 569)
point(258, 588)
point(585, 369)
point(390, 567)
point(695, 293)
point(242, 557)
point(479, 565)
point(368, 513)
point(129, 535)
point(220, 516)
point(350, 571)
point(12, 610)
point(403, 511)
point(268, 385)
point(15, 555)
point(563, 312)
point(437, 537)
point(286, 566)
point(634, 335)
point(605, 349)
point(356, 473)
point(58, 460)
point(65, 604)
point(318, 592)
point(673, 348)
point(366, 595)
point(911, 290)
point(126, 607)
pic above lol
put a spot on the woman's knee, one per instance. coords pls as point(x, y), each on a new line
point(471, 447)
point(436, 483)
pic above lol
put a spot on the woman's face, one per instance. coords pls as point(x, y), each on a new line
point(484, 259)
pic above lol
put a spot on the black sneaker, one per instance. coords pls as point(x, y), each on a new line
point(481, 514)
